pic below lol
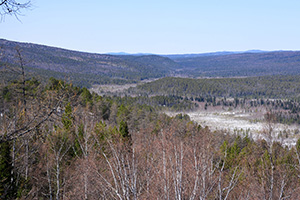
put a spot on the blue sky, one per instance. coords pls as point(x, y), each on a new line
point(159, 26)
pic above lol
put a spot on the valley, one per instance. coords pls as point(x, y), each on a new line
point(238, 114)
point(149, 100)
point(71, 120)
point(87, 69)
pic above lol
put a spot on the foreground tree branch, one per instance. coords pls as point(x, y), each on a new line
point(30, 126)
point(12, 7)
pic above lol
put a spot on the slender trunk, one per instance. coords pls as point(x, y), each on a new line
point(64, 190)
point(57, 179)
point(148, 175)
point(13, 160)
point(26, 159)
point(271, 181)
point(49, 181)
point(272, 170)
point(165, 173)
point(220, 176)
point(86, 154)
point(196, 166)
point(165, 168)
point(85, 185)
point(177, 173)
point(23, 77)
point(13, 153)
point(282, 186)
point(134, 181)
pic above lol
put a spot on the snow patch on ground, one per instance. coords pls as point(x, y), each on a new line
point(241, 122)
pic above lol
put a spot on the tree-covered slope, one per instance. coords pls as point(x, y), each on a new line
point(242, 64)
point(88, 67)
point(85, 69)
point(266, 86)
point(61, 141)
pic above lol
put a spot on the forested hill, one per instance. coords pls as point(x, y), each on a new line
point(229, 64)
point(251, 87)
point(85, 69)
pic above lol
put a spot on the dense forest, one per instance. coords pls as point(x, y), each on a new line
point(277, 93)
point(62, 142)
point(233, 64)
point(276, 87)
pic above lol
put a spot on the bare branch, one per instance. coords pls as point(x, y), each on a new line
point(29, 127)
point(13, 7)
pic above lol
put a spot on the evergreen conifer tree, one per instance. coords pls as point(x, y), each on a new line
point(7, 185)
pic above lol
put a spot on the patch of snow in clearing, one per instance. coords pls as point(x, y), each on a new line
point(241, 122)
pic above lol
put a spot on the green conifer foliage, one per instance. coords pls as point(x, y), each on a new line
point(67, 118)
point(124, 129)
point(7, 186)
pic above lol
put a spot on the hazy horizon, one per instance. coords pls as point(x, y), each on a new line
point(158, 27)
point(149, 53)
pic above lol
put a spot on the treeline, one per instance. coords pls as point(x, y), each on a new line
point(62, 142)
point(277, 87)
point(166, 103)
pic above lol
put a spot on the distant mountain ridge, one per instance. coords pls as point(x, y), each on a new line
point(85, 69)
point(176, 56)
point(129, 54)
point(243, 64)
point(218, 53)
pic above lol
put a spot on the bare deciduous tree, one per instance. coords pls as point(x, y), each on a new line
point(13, 7)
